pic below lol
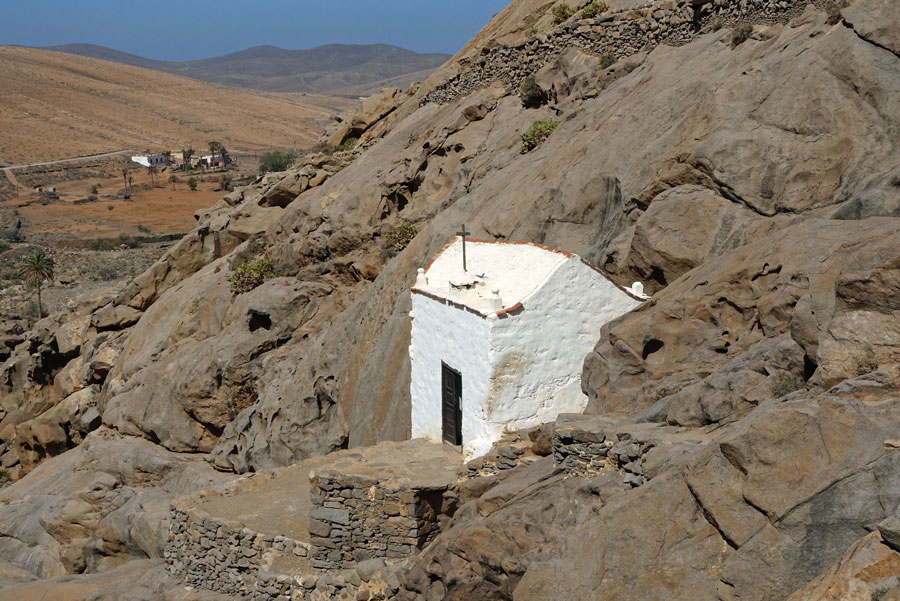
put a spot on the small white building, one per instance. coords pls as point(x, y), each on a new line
point(151, 160)
point(500, 346)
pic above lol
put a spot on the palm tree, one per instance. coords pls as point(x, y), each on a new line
point(152, 170)
point(219, 148)
point(125, 177)
point(35, 268)
point(186, 155)
point(172, 179)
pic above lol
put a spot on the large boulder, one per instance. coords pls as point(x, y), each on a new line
point(96, 505)
point(832, 292)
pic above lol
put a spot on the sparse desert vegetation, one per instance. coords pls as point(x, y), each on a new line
point(536, 134)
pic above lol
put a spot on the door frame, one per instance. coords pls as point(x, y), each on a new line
point(445, 369)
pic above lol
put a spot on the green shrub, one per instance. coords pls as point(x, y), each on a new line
point(109, 207)
point(143, 229)
point(607, 59)
point(100, 244)
point(192, 183)
point(30, 309)
point(12, 235)
point(94, 188)
point(4, 245)
point(562, 12)
point(92, 198)
point(349, 143)
point(531, 32)
point(107, 272)
point(787, 384)
point(537, 133)
point(593, 9)
point(275, 161)
point(741, 34)
point(250, 275)
point(411, 90)
point(864, 363)
point(401, 236)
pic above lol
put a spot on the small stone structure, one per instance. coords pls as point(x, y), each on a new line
point(388, 504)
point(499, 335)
point(617, 33)
point(223, 556)
point(583, 445)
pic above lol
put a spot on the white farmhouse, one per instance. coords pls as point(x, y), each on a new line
point(151, 160)
point(499, 345)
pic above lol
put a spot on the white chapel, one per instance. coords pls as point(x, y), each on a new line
point(499, 334)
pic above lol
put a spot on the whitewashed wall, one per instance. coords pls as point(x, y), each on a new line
point(537, 355)
point(459, 339)
point(517, 371)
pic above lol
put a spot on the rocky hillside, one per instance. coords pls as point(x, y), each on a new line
point(740, 158)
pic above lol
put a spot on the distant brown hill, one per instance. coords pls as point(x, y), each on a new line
point(55, 106)
point(331, 69)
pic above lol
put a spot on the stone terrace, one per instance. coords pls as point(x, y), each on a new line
point(254, 541)
point(387, 504)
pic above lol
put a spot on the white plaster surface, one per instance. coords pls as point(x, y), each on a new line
point(537, 355)
point(516, 270)
point(460, 339)
point(521, 369)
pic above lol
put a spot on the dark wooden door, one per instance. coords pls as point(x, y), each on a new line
point(451, 404)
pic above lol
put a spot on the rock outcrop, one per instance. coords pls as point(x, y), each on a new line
point(753, 187)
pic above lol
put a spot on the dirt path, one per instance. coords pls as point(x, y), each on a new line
point(89, 157)
point(12, 178)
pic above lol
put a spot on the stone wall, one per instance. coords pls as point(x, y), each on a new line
point(227, 558)
point(617, 34)
point(584, 445)
point(355, 518)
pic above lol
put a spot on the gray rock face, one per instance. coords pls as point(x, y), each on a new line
point(753, 189)
point(97, 505)
point(751, 498)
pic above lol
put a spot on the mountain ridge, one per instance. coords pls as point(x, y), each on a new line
point(342, 69)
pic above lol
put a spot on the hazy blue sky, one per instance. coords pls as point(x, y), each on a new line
point(185, 29)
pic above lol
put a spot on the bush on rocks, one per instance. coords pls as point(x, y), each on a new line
point(741, 34)
point(594, 9)
point(536, 134)
point(250, 275)
point(275, 161)
point(401, 236)
point(786, 385)
point(562, 12)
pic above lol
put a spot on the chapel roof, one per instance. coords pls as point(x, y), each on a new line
point(515, 269)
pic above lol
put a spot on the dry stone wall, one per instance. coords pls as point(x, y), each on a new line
point(227, 558)
point(354, 518)
point(584, 445)
point(617, 34)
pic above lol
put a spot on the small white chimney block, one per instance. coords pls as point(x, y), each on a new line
point(637, 289)
point(496, 301)
point(421, 280)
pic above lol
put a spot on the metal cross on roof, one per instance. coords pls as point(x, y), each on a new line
point(463, 233)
